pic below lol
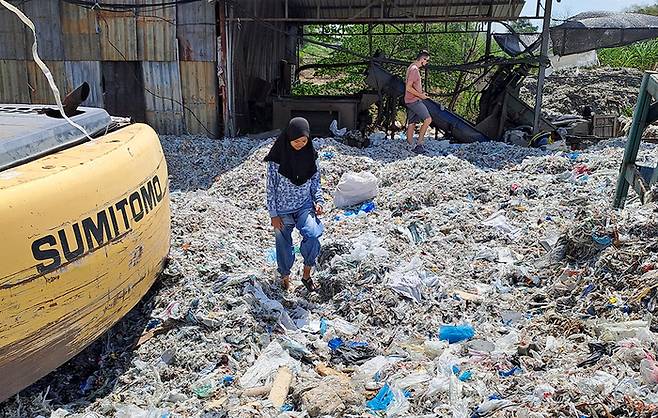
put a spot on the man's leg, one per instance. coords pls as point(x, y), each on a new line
point(410, 133)
point(423, 129)
point(285, 254)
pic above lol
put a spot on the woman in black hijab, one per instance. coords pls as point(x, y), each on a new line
point(294, 198)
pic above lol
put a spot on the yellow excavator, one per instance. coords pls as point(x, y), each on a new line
point(84, 231)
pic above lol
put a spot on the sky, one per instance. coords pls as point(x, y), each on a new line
point(567, 8)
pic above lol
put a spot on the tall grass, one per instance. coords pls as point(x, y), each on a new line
point(641, 55)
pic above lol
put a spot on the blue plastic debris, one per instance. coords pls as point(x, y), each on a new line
point(335, 343)
point(461, 376)
point(366, 207)
point(270, 257)
point(153, 323)
point(466, 376)
point(603, 240)
point(87, 385)
point(513, 371)
point(286, 407)
point(327, 155)
point(588, 289)
point(382, 400)
point(323, 326)
point(227, 380)
point(573, 156)
point(456, 333)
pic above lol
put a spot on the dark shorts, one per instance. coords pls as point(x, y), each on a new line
point(417, 112)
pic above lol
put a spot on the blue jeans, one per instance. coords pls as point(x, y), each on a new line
point(310, 227)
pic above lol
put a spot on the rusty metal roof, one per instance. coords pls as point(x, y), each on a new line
point(370, 11)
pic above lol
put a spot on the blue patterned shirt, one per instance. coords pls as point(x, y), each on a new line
point(285, 197)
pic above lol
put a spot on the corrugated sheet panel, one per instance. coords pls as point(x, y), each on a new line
point(199, 81)
point(156, 33)
point(164, 110)
point(428, 9)
point(77, 72)
point(118, 34)
point(45, 15)
point(40, 92)
point(14, 86)
point(195, 27)
point(12, 36)
point(81, 33)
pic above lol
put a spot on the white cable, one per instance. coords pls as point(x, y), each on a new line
point(43, 66)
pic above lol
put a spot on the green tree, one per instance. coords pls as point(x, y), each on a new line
point(446, 49)
point(647, 10)
point(523, 26)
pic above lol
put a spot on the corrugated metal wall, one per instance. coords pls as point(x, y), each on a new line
point(79, 44)
point(14, 85)
point(164, 100)
point(199, 87)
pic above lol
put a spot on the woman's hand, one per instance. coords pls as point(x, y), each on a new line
point(318, 209)
point(277, 223)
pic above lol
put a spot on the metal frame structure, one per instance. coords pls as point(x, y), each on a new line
point(632, 174)
point(392, 13)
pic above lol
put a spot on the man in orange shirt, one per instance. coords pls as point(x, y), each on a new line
point(413, 98)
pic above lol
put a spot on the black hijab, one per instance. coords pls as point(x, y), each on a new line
point(296, 166)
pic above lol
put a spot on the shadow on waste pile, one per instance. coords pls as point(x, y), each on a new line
point(195, 162)
point(486, 156)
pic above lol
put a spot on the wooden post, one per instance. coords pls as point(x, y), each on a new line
point(280, 387)
point(543, 56)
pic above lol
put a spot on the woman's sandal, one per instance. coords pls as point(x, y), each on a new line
point(285, 283)
point(309, 284)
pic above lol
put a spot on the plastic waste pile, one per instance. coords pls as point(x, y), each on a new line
point(481, 280)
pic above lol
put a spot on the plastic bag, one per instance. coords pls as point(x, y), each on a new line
point(132, 411)
point(342, 326)
point(440, 384)
point(273, 306)
point(411, 280)
point(354, 188)
point(434, 348)
point(365, 245)
point(333, 127)
point(446, 361)
point(399, 407)
point(264, 368)
point(375, 365)
point(508, 344)
point(456, 333)
point(458, 406)
point(413, 379)
point(390, 399)
point(600, 384)
point(649, 371)
point(499, 221)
